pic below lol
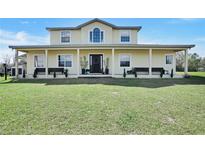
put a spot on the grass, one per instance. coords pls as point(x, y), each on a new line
point(103, 106)
point(200, 74)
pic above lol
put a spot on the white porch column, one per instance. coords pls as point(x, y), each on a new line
point(16, 63)
point(78, 62)
point(46, 62)
point(113, 62)
point(150, 62)
point(186, 62)
point(174, 64)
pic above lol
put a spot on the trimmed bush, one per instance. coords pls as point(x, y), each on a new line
point(162, 73)
point(135, 73)
point(24, 73)
point(187, 76)
point(124, 73)
point(172, 73)
point(35, 74)
point(66, 73)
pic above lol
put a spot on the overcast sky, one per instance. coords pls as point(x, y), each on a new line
point(156, 31)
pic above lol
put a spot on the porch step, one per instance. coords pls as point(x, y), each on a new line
point(95, 76)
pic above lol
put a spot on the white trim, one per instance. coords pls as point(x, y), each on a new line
point(121, 31)
point(113, 62)
point(150, 62)
point(69, 35)
point(91, 30)
point(98, 48)
point(78, 62)
point(66, 55)
point(127, 54)
point(46, 62)
point(43, 60)
point(186, 69)
point(16, 63)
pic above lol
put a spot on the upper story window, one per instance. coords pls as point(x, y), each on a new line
point(65, 60)
point(96, 36)
point(65, 37)
point(38, 61)
point(169, 59)
point(125, 37)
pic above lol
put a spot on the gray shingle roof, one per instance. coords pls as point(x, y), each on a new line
point(91, 21)
point(171, 46)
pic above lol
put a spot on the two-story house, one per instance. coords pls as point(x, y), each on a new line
point(99, 49)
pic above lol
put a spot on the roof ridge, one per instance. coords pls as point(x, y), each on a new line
point(91, 21)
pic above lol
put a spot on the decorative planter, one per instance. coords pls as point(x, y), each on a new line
point(83, 71)
point(106, 71)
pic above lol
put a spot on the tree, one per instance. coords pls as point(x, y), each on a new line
point(194, 62)
point(6, 59)
point(179, 61)
point(202, 64)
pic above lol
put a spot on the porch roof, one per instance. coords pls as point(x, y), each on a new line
point(176, 47)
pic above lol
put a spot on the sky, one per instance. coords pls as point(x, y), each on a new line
point(31, 31)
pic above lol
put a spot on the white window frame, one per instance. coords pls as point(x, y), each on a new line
point(92, 36)
point(172, 59)
point(61, 37)
point(43, 60)
point(123, 31)
point(65, 55)
point(125, 54)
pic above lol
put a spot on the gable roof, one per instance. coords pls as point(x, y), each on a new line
point(92, 21)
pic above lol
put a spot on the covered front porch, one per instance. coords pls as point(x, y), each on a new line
point(99, 62)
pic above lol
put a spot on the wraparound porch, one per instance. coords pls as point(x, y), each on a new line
point(146, 59)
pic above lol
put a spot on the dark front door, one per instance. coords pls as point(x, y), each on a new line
point(96, 63)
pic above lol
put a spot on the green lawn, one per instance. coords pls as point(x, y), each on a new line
point(200, 74)
point(103, 106)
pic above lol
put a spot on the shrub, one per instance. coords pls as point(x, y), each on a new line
point(35, 74)
point(135, 73)
point(162, 73)
point(187, 76)
point(124, 73)
point(24, 73)
point(66, 73)
point(106, 63)
point(172, 73)
point(83, 62)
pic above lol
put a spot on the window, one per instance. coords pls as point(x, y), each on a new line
point(125, 37)
point(38, 61)
point(124, 61)
point(65, 37)
point(64, 61)
point(96, 36)
point(169, 59)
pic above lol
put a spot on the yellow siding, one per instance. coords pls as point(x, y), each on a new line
point(139, 58)
point(75, 37)
point(81, 36)
point(107, 32)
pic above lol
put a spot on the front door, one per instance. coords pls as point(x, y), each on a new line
point(96, 63)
